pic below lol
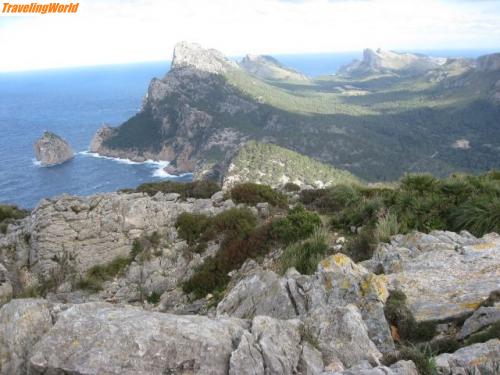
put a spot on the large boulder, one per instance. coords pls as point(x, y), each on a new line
point(338, 282)
point(481, 358)
point(482, 318)
point(22, 324)
point(50, 149)
point(98, 338)
point(444, 275)
point(342, 335)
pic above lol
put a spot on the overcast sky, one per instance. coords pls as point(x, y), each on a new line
point(118, 31)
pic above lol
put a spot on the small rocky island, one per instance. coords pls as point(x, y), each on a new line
point(50, 149)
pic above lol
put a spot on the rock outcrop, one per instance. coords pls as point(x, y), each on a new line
point(50, 149)
point(444, 275)
point(267, 67)
point(489, 63)
point(380, 61)
point(475, 359)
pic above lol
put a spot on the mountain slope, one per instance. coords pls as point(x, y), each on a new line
point(267, 67)
point(275, 166)
point(377, 126)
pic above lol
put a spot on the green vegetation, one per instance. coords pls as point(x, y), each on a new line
point(196, 189)
point(274, 165)
point(191, 226)
point(242, 239)
point(399, 315)
point(424, 361)
point(305, 256)
point(8, 213)
point(98, 274)
point(298, 224)
point(252, 193)
point(492, 332)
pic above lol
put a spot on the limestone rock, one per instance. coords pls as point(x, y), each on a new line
point(98, 338)
point(263, 293)
point(341, 334)
point(5, 286)
point(398, 368)
point(481, 358)
point(51, 149)
point(489, 63)
point(247, 358)
point(482, 318)
point(444, 275)
point(22, 324)
point(267, 67)
point(192, 55)
point(311, 361)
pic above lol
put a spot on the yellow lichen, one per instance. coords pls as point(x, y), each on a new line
point(483, 246)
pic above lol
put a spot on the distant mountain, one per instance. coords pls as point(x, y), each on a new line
point(380, 61)
point(405, 113)
point(267, 67)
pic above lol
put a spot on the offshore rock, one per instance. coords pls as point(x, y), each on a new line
point(50, 149)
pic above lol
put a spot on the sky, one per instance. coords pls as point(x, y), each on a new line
point(122, 31)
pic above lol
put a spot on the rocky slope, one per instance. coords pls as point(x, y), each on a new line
point(140, 321)
point(267, 67)
point(200, 113)
point(380, 62)
point(50, 149)
point(275, 166)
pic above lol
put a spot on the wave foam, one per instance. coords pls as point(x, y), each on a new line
point(158, 172)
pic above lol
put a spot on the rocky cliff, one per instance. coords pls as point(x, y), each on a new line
point(50, 149)
point(267, 67)
point(200, 113)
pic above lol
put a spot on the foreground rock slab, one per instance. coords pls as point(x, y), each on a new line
point(98, 338)
point(481, 358)
point(444, 275)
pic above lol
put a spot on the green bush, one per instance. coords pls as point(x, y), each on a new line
point(291, 187)
point(399, 315)
point(98, 274)
point(191, 226)
point(423, 361)
point(479, 215)
point(251, 193)
point(492, 332)
point(197, 189)
point(305, 256)
point(387, 226)
point(361, 246)
point(297, 225)
point(9, 213)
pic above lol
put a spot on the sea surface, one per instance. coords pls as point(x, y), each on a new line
point(74, 103)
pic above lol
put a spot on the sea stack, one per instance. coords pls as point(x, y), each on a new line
point(50, 149)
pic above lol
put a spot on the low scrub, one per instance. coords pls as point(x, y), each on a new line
point(251, 193)
point(190, 226)
point(196, 189)
point(8, 213)
point(297, 225)
point(98, 274)
point(305, 256)
point(423, 360)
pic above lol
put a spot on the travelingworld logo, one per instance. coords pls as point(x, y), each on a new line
point(16, 9)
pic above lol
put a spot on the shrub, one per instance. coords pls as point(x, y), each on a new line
point(492, 332)
point(191, 226)
point(297, 225)
point(306, 256)
point(361, 246)
point(399, 315)
point(251, 193)
point(154, 298)
point(291, 187)
point(238, 222)
point(9, 213)
point(197, 189)
point(478, 215)
point(387, 226)
point(424, 362)
point(98, 274)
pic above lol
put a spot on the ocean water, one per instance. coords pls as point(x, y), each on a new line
point(74, 103)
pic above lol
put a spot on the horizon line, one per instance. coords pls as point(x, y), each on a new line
point(486, 51)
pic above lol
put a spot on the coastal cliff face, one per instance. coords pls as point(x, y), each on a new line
point(206, 107)
point(50, 149)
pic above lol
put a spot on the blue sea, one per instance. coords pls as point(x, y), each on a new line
point(74, 103)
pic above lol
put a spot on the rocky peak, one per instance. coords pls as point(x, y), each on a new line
point(267, 67)
point(489, 63)
point(50, 149)
point(192, 55)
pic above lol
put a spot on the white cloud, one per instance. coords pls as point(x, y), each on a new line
point(113, 31)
